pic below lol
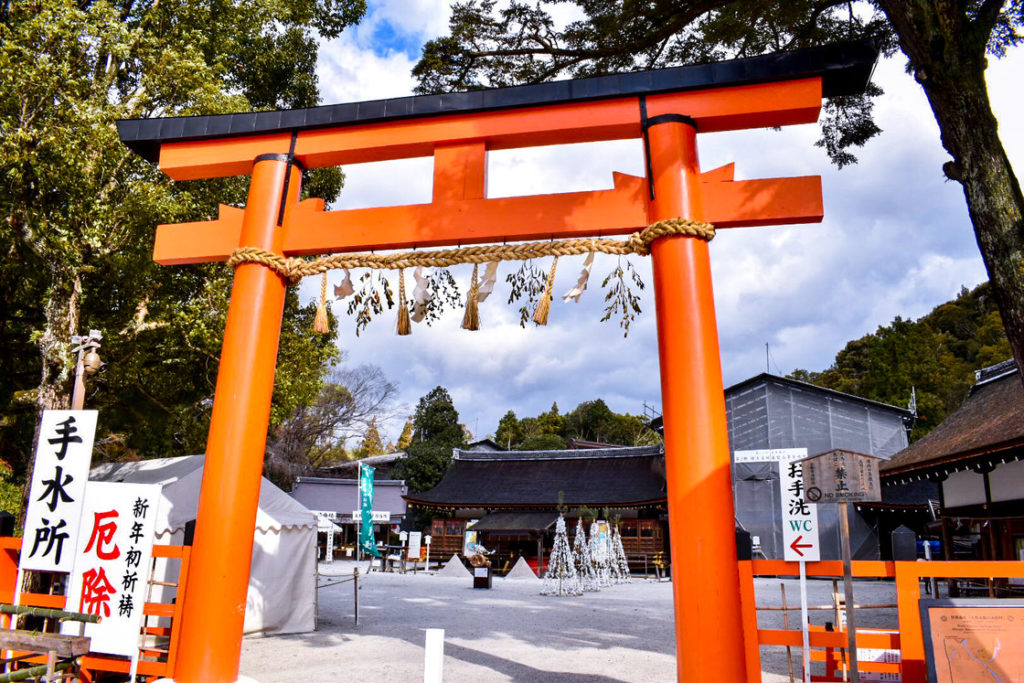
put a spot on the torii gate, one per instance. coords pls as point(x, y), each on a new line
point(666, 108)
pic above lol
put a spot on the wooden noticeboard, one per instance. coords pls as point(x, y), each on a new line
point(840, 476)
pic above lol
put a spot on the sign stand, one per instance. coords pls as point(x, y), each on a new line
point(805, 623)
point(800, 538)
point(839, 476)
point(851, 629)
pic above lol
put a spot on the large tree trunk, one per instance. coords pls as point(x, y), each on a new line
point(62, 310)
point(947, 55)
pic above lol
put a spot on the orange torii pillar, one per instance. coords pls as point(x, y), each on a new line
point(702, 522)
point(665, 108)
point(238, 438)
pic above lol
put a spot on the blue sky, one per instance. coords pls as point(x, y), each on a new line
point(896, 240)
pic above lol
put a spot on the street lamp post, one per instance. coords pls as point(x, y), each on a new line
point(88, 364)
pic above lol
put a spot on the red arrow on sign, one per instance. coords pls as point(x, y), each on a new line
point(796, 545)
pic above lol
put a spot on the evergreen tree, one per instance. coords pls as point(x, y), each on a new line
point(581, 555)
point(936, 355)
point(509, 432)
point(405, 438)
point(561, 577)
point(436, 431)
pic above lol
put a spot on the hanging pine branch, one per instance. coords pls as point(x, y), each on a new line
point(527, 285)
point(442, 294)
point(373, 294)
point(620, 298)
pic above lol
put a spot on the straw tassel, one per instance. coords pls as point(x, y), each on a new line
point(540, 316)
point(471, 320)
point(404, 326)
point(320, 323)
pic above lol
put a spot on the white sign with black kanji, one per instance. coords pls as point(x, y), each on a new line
point(61, 469)
point(800, 541)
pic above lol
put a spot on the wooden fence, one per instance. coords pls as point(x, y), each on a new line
point(909, 639)
point(159, 640)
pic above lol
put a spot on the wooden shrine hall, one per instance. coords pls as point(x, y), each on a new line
point(515, 496)
point(670, 214)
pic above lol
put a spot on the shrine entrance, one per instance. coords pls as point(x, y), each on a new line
point(665, 108)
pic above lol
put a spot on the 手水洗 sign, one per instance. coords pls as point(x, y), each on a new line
point(113, 563)
point(842, 476)
point(799, 516)
point(63, 456)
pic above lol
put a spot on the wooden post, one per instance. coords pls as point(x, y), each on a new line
point(851, 623)
point(705, 576)
point(218, 578)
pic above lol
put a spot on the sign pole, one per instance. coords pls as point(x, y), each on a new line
point(705, 574)
point(851, 629)
point(804, 623)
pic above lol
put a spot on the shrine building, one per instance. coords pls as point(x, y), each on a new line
point(972, 465)
point(510, 500)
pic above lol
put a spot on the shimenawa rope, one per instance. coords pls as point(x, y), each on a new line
point(294, 269)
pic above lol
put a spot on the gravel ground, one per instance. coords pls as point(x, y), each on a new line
point(511, 633)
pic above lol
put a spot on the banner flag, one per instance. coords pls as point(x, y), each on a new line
point(366, 540)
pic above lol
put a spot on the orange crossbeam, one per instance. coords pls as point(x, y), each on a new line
point(311, 230)
point(717, 109)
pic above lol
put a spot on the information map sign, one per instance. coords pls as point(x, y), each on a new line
point(800, 540)
point(973, 640)
point(63, 456)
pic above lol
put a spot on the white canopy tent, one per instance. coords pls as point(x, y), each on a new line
point(282, 581)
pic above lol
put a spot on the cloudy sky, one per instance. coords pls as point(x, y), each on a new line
point(896, 240)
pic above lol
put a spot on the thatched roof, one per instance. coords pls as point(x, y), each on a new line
point(990, 423)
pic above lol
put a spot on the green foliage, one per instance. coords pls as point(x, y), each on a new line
point(79, 210)
point(492, 45)
point(527, 284)
point(436, 420)
point(542, 442)
point(620, 299)
point(589, 421)
point(436, 431)
point(936, 355)
point(509, 430)
point(10, 492)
